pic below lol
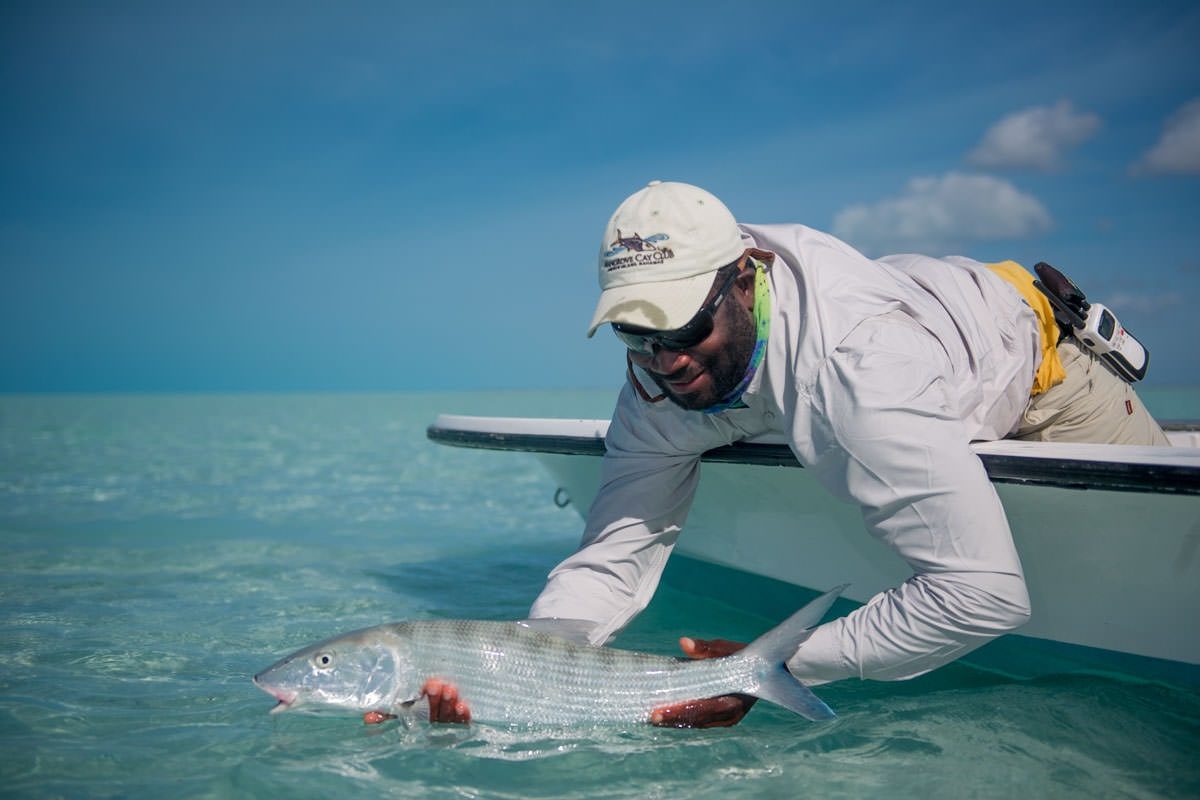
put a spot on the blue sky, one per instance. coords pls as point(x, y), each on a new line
point(379, 196)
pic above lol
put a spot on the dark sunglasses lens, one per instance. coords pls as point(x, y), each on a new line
point(689, 335)
point(643, 341)
point(636, 342)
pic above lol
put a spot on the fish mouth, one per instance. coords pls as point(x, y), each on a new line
point(285, 698)
point(283, 705)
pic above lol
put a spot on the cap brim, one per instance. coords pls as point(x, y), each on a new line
point(660, 306)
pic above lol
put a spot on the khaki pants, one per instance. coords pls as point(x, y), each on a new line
point(1091, 405)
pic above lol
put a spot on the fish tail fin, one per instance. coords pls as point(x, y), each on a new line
point(776, 646)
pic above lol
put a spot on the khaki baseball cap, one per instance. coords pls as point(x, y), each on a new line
point(659, 253)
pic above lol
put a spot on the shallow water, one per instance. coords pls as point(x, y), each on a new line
point(158, 551)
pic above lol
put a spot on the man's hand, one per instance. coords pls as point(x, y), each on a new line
point(444, 704)
point(713, 712)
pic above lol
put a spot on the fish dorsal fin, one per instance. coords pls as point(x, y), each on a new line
point(779, 643)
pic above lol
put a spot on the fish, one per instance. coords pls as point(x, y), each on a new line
point(514, 673)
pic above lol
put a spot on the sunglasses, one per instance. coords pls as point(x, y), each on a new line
point(643, 340)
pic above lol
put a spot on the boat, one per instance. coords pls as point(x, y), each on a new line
point(1109, 537)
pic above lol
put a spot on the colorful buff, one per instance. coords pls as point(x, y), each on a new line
point(762, 324)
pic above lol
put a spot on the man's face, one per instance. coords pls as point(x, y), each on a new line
point(700, 376)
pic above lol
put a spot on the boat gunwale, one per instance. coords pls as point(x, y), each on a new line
point(1032, 470)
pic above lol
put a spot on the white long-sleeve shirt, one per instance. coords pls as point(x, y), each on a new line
point(879, 373)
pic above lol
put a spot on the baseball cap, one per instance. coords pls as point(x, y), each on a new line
point(659, 253)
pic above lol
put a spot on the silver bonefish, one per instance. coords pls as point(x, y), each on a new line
point(509, 672)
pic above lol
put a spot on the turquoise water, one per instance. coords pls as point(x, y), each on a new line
point(159, 550)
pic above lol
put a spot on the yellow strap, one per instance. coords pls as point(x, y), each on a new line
point(1051, 372)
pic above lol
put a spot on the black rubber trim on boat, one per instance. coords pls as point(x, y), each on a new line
point(1062, 473)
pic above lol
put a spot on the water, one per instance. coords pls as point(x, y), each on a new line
point(157, 551)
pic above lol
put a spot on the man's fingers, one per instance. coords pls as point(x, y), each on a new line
point(709, 648)
point(444, 703)
point(713, 712)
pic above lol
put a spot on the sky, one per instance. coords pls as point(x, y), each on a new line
point(399, 196)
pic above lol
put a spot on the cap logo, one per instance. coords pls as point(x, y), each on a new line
point(641, 251)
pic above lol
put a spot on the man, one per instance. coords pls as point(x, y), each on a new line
point(880, 373)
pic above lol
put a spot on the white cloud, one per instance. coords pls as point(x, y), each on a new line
point(1036, 138)
point(1143, 302)
point(1178, 149)
point(937, 213)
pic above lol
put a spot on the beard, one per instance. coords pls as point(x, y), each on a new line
point(725, 367)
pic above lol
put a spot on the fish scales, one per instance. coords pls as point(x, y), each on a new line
point(509, 672)
point(503, 671)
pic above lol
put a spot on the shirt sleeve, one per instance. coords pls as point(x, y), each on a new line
point(648, 479)
point(889, 436)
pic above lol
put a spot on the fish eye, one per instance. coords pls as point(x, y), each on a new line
point(323, 660)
